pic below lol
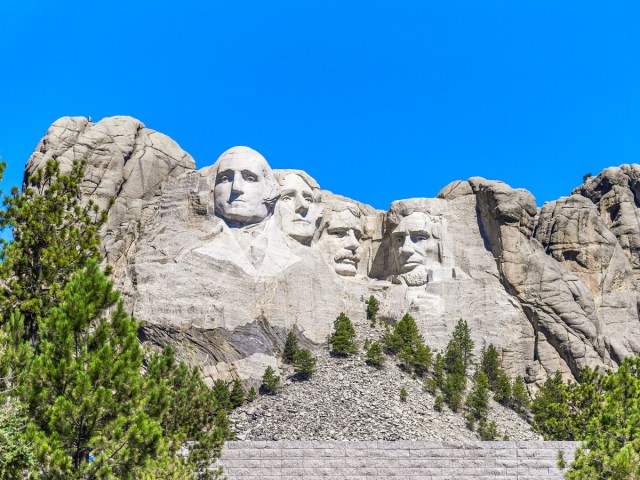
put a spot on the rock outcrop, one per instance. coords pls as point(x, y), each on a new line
point(224, 261)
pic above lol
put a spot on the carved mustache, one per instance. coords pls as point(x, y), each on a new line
point(354, 257)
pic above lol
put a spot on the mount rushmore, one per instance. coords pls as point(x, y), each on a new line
point(224, 261)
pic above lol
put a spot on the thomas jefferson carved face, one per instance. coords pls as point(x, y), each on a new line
point(416, 247)
point(297, 209)
point(339, 241)
point(243, 183)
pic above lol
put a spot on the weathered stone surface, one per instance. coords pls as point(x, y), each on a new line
point(225, 260)
point(125, 160)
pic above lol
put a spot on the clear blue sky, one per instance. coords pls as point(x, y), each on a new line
point(376, 100)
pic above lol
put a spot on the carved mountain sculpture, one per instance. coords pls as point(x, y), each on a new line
point(223, 261)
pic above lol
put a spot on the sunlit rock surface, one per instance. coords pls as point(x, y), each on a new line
point(223, 261)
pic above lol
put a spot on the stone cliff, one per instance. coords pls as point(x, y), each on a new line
point(223, 261)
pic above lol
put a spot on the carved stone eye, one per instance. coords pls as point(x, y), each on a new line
point(250, 177)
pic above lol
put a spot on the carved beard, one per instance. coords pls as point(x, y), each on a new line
point(417, 277)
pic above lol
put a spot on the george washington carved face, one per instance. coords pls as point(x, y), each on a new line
point(243, 183)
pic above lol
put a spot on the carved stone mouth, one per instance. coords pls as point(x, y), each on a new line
point(348, 260)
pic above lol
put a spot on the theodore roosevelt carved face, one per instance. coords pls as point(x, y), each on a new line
point(243, 185)
point(340, 238)
point(416, 247)
point(297, 208)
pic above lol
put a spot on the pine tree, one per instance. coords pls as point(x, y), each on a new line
point(422, 359)
point(478, 400)
point(252, 395)
point(392, 342)
point(223, 394)
point(461, 337)
point(238, 394)
point(304, 364)
point(439, 369)
point(372, 309)
point(487, 431)
point(403, 394)
point(439, 403)
point(16, 453)
point(490, 365)
point(290, 348)
point(270, 381)
point(188, 411)
point(407, 331)
point(342, 341)
point(562, 411)
point(454, 390)
point(84, 392)
point(375, 355)
point(550, 410)
point(611, 449)
point(502, 390)
point(53, 236)
point(520, 397)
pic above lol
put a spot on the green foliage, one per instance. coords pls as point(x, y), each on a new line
point(520, 401)
point(439, 403)
point(487, 431)
point(561, 463)
point(375, 355)
point(304, 364)
point(431, 385)
point(270, 381)
point(611, 448)
point(439, 369)
point(72, 355)
point(459, 352)
point(550, 410)
point(84, 392)
point(454, 390)
point(16, 454)
point(290, 348)
point(342, 341)
point(403, 394)
point(238, 394)
point(422, 359)
point(586, 176)
point(53, 236)
point(222, 393)
point(15, 352)
point(252, 395)
point(372, 309)
point(490, 365)
point(502, 391)
point(407, 342)
point(188, 411)
point(407, 331)
point(478, 400)
point(405, 334)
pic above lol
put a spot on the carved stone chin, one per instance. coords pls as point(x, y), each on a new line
point(416, 277)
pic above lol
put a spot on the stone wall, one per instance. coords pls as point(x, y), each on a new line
point(416, 460)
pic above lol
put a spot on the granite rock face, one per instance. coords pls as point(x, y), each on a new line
point(224, 261)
